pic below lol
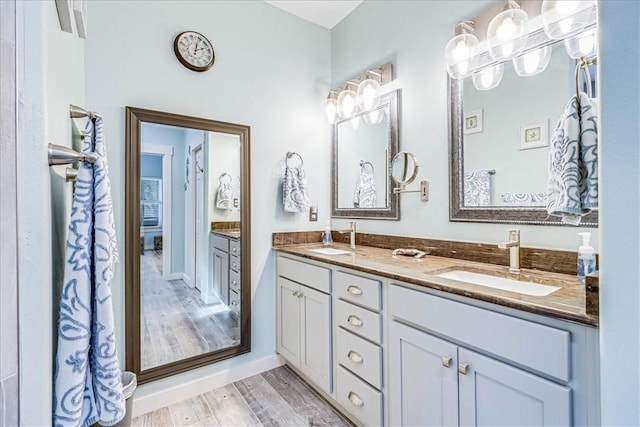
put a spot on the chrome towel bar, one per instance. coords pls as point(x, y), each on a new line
point(59, 155)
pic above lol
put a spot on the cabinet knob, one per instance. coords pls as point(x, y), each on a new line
point(234, 250)
point(354, 290)
point(354, 320)
point(355, 357)
point(355, 399)
point(463, 368)
point(235, 265)
point(233, 282)
point(446, 362)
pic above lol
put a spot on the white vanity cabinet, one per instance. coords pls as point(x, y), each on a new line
point(220, 267)
point(303, 320)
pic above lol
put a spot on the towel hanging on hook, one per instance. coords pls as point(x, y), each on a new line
point(290, 154)
point(363, 164)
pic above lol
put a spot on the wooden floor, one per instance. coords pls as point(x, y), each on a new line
point(273, 398)
point(175, 323)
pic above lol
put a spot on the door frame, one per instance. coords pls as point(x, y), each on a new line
point(194, 198)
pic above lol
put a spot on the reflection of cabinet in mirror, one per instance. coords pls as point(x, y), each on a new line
point(225, 270)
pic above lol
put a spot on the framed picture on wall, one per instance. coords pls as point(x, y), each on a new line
point(473, 122)
point(534, 135)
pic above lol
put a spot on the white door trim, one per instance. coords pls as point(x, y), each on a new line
point(167, 153)
point(194, 195)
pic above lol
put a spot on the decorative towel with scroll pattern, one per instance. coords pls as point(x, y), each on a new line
point(572, 188)
point(295, 193)
point(477, 188)
point(224, 199)
point(365, 194)
point(87, 383)
point(524, 199)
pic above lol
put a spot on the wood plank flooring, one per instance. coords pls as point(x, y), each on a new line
point(273, 398)
point(175, 323)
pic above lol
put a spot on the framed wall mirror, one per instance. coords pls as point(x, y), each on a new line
point(188, 275)
point(362, 149)
point(499, 140)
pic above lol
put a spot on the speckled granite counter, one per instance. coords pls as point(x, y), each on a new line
point(234, 234)
point(567, 303)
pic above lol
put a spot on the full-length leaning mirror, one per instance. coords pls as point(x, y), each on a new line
point(499, 140)
point(363, 147)
point(188, 292)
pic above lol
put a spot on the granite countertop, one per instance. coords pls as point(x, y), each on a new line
point(233, 233)
point(568, 303)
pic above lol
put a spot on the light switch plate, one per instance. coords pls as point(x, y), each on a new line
point(424, 191)
point(313, 214)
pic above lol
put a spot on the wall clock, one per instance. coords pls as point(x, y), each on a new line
point(194, 51)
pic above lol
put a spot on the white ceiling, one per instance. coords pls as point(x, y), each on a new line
point(326, 13)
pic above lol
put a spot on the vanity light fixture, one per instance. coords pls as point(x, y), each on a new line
point(374, 117)
point(359, 96)
point(460, 51)
point(489, 77)
point(507, 33)
point(582, 45)
point(565, 18)
point(533, 62)
point(355, 123)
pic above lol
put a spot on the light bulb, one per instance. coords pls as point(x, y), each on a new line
point(463, 68)
point(374, 117)
point(507, 49)
point(488, 78)
point(507, 33)
point(565, 25)
point(507, 30)
point(584, 44)
point(461, 51)
point(533, 62)
point(567, 6)
point(367, 94)
point(355, 123)
point(565, 18)
point(331, 110)
point(347, 103)
point(459, 55)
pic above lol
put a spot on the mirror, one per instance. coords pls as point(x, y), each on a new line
point(187, 218)
point(499, 141)
point(404, 168)
point(363, 147)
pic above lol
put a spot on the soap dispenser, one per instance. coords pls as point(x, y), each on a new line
point(326, 235)
point(586, 257)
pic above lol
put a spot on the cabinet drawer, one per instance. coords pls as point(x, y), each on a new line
point(359, 398)
point(219, 242)
point(361, 290)
point(234, 263)
point(234, 280)
point(310, 275)
point(360, 357)
point(234, 302)
point(234, 247)
point(539, 347)
point(359, 321)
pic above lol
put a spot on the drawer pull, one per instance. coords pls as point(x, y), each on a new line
point(354, 320)
point(234, 250)
point(234, 302)
point(446, 362)
point(233, 282)
point(355, 357)
point(463, 368)
point(354, 290)
point(297, 294)
point(234, 265)
point(355, 399)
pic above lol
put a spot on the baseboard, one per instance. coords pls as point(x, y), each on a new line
point(174, 276)
point(185, 277)
point(168, 396)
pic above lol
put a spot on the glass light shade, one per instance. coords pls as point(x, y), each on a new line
point(566, 18)
point(507, 34)
point(368, 94)
point(488, 78)
point(374, 117)
point(460, 55)
point(331, 110)
point(347, 105)
point(355, 123)
point(582, 45)
point(532, 63)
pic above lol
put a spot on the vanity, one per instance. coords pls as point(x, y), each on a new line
point(398, 341)
point(225, 267)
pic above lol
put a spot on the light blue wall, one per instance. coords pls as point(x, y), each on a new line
point(150, 166)
point(413, 35)
point(620, 213)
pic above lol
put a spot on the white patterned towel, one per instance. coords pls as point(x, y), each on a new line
point(87, 383)
point(365, 194)
point(572, 188)
point(477, 188)
point(295, 193)
point(224, 196)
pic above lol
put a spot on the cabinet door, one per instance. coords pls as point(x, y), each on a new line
point(495, 394)
point(221, 275)
point(423, 379)
point(315, 357)
point(288, 320)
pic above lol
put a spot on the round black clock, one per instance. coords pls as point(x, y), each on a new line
point(194, 51)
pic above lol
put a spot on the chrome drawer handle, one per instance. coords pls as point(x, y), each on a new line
point(446, 362)
point(355, 399)
point(463, 368)
point(354, 290)
point(355, 357)
point(354, 320)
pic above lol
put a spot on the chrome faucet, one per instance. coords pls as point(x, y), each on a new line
point(352, 234)
point(514, 250)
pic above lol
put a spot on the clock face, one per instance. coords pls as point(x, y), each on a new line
point(194, 51)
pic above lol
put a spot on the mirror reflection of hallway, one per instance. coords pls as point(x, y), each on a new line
point(180, 316)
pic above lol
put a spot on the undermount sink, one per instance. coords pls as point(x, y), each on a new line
point(527, 288)
point(329, 251)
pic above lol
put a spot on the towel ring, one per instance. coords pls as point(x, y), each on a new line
point(583, 64)
point(290, 154)
point(222, 176)
point(363, 164)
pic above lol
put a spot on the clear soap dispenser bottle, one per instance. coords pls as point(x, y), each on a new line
point(586, 257)
point(326, 235)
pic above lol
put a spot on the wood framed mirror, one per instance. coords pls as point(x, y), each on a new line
point(187, 242)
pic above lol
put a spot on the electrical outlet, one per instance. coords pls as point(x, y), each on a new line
point(424, 191)
point(313, 213)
